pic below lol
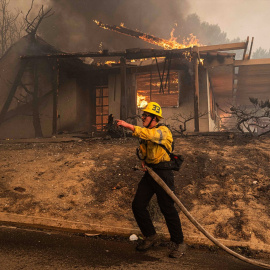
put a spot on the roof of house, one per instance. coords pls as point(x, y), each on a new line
point(226, 75)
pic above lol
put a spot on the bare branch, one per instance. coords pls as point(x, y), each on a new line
point(9, 26)
point(19, 100)
point(184, 119)
point(26, 89)
point(264, 133)
point(254, 120)
point(26, 17)
point(34, 24)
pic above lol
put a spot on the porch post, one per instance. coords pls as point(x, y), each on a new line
point(55, 95)
point(123, 103)
point(36, 114)
point(196, 90)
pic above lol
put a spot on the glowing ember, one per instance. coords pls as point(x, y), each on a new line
point(110, 63)
point(98, 23)
point(141, 101)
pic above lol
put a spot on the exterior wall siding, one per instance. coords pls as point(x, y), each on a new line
point(67, 106)
point(114, 83)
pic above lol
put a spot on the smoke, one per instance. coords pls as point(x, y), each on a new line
point(71, 28)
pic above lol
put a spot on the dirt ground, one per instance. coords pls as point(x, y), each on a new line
point(224, 183)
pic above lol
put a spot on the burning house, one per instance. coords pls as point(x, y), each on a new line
point(45, 92)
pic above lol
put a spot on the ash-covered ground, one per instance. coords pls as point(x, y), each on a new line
point(224, 182)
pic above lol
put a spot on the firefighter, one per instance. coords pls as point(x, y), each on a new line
point(151, 135)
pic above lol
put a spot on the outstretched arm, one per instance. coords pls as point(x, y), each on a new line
point(125, 124)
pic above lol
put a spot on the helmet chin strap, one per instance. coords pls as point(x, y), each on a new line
point(152, 118)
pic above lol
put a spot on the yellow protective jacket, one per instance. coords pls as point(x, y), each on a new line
point(149, 148)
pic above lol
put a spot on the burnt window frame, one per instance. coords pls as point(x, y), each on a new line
point(102, 106)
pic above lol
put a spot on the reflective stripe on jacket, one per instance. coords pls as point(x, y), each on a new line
point(154, 136)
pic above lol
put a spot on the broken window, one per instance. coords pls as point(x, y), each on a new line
point(149, 88)
point(102, 107)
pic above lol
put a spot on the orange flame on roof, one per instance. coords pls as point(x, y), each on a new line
point(166, 44)
point(172, 43)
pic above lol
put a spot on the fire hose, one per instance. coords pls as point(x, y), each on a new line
point(198, 226)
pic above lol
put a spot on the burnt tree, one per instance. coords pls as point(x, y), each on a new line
point(12, 26)
point(184, 119)
point(31, 29)
point(31, 96)
point(253, 120)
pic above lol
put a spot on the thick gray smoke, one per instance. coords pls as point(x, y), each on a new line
point(71, 28)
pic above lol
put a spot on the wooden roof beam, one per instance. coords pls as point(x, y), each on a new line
point(245, 50)
point(128, 54)
point(223, 47)
point(252, 62)
point(77, 54)
point(250, 50)
point(143, 53)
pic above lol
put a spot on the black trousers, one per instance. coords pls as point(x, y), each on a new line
point(146, 189)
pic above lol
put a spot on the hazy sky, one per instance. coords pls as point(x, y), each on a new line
point(238, 18)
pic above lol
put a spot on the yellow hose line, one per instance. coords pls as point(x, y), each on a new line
point(198, 226)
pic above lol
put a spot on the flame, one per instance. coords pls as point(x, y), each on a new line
point(172, 43)
point(166, 44)
point(156, 84)
point(110, 63)
point(100, 23)
point(141, 101)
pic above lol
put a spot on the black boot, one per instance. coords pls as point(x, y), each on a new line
point(153, 240)
point(177, 250)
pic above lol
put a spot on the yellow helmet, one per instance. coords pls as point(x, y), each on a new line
point(154, 108)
